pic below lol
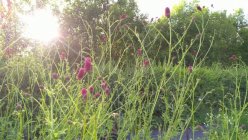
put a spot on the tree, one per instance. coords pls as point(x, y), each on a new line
point(224, 28)
point(90, 24)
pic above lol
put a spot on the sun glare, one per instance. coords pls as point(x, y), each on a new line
point(41, 26)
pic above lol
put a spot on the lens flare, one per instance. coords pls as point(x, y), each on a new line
point(41, 26)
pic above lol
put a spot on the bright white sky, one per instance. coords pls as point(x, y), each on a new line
point(155, 8)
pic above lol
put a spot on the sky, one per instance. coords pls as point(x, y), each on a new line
point(155, 8)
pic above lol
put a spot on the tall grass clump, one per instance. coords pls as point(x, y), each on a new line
point(45, 95)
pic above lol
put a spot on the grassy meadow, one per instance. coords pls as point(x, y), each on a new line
point(50, 92)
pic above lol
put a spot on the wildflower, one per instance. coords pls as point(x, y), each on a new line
point(233, 57)
point(91, 88)
point(167, 12)
point(103, 37)
point(97, 95)
point(199, 8)
point(146, 63)
point(62, 56)
point(151, 19)
point(67, 78)
point(81, 73)
point(123, 16)
point(84, 92)
point(107, 90)
point(105, 87)
point(190, 69)
point(9, 52)
point(55, 75)
point(87, 64)
point(104, 84)
point(9, 3)
point(139, 52)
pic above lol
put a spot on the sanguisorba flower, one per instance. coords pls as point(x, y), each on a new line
point(139, 52)
point(104, 84)
point(97, 95)
point(199, 8)
point(146, 63)
point(123, 16)
point(84, 92)
point(81, 73)
point(190, 69)
point(62, 55)
point(233, 57)
point(55, 76)
point(107, 91)
point(87, 64)
point(167, 12)
point(91, 89)
point(105, 87)
point(103, 38)
point(67, 78)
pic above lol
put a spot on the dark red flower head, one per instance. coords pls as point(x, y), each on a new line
point(84, 93)
point(190, 69)
point(146, 63)
point(87, 64)
point(91, 89)
point(123, 16)
point(81, 73)
point(103, 38)
point(199, 8)
point(62, 55)
point(233, 57)
point(167, 12)
point(55, 76)
point(97, 95)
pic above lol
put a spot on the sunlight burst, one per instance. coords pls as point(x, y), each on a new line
point(41, 26)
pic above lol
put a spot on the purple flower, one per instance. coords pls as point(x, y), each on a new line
point(87, 64)
point(55, 75)
point(97, 95)
point(107, 91)
point(167, 12)
point(233, 57)
point(67, 78)
point(104, 84)
point(81, 73)
point(139, 52)
point(103, 38)
point(105, 87)
point(84, 92)
point(190, 69)
point(62, 55)
point(91, 88)
point(123, 16)
point(199, 8)
point(146, 63)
